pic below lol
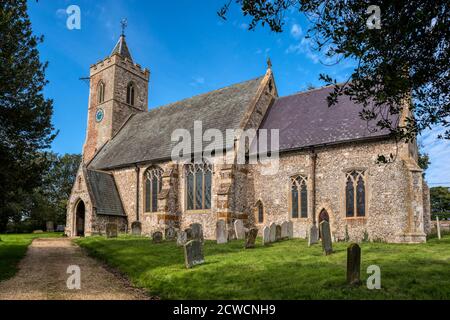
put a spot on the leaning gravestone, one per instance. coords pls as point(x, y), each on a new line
point(136, 228)
point(170, 233)
point(193, 253)
point(353, 264)
point(221, 232)
point(438, 228)
point(278, 233)
point(326, 237)
point(273, 232)
point(284, 230)
point(181, 238)
point(196, 232)
point(250, 238)
point(313, 235)
point(266, 236)
point(290, 230)
point(111, 230)
point(239, 229)
point(157, 237)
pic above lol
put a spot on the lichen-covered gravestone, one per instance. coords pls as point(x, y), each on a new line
point(278, 233)
point(239, 229)
point(266, 236)
point(290, 230)
point(181, 238)
point(157, 237)
point(111, 230)
point(353, 265)
point(313, 235)
point(196, 232)
point(136, 228)
point(284, 230)
point(325, 233)
point(273, 232)
point(170, 233)
point(193, 253)
point(221, 232)
point(250, 238)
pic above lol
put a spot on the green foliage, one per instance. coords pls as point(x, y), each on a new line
point(440, 199)
point(12, 249)
point(405, 60)
point(424, 161)
point(283, 270)
point(25, 114)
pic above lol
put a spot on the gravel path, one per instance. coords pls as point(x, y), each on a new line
point(43, 275)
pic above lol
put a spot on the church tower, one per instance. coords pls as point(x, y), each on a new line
point(118, 88)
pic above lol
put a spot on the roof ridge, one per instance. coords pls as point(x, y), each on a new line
point(310, 90)
point(201, 94)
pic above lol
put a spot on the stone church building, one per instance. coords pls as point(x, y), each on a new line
point(327, 163)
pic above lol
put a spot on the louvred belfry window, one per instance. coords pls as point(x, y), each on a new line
point(130, 93)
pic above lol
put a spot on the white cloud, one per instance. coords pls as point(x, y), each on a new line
point(296, 31)
point(61, 13)
point(304, 47)
point(196, 81)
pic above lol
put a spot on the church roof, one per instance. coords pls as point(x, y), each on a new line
point(122, 49)
point(147, 135)
point(104, 194)
point(304, 119)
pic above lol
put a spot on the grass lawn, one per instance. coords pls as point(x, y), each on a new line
point(12, 249)
point(284, 270)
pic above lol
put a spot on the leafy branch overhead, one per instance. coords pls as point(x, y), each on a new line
point(403, 63)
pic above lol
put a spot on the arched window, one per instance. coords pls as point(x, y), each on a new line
point(355, 194)
point(153, 184)
point(198, 186)
point(130, 93)
point(299, 197)
point(101, 92)
point(260, 212)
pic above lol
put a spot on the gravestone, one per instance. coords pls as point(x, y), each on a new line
point(170, 234)
point(325, 233)
point(266, 236)
point(239, 229)
point(438, 227)
point(290, 230)
point(221, 232)
point(38, 231)
point(273, 232)
point(188, 232)
point(157, 237)
point(231, 234)
point(196, 232)
point(49, 226)
point(313, 235)
point(278, 233)
point(181, 238)
point(111, 230)
point(193, 253)
point(353, 264)
point(136, 228)
point(250, 238)
point(284, 230)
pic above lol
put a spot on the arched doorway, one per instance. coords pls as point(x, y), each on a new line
point(323, 216)
point(79, 220)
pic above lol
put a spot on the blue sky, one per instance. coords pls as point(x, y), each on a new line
point(188, 49)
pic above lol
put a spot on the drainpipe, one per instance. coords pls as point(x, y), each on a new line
point(313, 184)
point(138, 171)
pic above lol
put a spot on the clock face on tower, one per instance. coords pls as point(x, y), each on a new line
point(99, 115)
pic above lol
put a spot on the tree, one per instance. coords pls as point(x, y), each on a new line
point(25, 114)
point(440, 199)
point(403, 63)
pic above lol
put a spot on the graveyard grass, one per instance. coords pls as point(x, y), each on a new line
point(282, 270)
point(13, 248)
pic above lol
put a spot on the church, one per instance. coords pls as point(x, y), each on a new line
point(327, 163)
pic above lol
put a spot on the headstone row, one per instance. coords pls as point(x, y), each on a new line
point(274, 232)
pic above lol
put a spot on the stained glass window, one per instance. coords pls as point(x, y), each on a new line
point(153, 185)
point(198, 186)
point(355, 194)
point(299, 197)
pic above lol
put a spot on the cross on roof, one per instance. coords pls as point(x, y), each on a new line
point(124, 24)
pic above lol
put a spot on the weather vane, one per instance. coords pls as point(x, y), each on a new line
point(124, 24)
